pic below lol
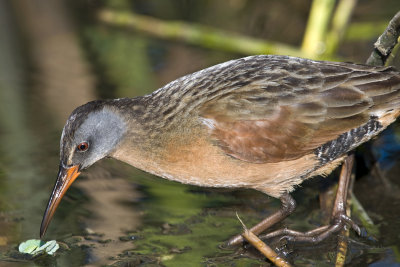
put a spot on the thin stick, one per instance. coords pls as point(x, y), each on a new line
point(196, 34)
point(385, 43)
point(262, 247)
point(342, 247)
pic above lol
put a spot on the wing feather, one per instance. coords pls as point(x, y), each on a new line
point(294, 109)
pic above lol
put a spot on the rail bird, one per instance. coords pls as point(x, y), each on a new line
point(261, 122)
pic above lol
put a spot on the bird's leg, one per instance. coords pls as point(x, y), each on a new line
point(339, 217)
point(288, 206)
point(339, 206)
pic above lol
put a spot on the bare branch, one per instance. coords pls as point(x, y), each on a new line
point(385, 43)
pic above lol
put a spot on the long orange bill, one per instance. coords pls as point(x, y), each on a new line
point(66, 176)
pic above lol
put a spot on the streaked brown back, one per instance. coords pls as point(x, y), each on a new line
point(291, 107)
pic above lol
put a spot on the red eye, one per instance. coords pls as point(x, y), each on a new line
point(83, 146)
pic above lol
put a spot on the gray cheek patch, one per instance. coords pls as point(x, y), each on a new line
point(103, 130)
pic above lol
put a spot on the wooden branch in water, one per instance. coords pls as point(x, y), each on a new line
point(266, 250)
point(385, 43)
point(196, 34)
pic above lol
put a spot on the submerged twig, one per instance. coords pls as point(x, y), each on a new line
point(362, 215)
point(262, 247)
point(342, 247)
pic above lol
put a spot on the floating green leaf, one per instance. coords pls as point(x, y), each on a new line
point(37, 247)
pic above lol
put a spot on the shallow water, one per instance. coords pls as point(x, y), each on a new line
point(114, 214)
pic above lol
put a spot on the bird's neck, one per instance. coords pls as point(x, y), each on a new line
point(150, 132)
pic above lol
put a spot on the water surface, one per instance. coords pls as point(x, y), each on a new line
point(114, 214)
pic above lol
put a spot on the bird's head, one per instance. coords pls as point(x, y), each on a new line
point(91, 133)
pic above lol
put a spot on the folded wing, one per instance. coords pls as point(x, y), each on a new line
point(293, 108)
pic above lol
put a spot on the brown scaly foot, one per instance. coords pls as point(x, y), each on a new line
point(287, 208)
point(339, 219)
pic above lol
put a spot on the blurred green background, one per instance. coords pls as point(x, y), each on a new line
point(56, 55)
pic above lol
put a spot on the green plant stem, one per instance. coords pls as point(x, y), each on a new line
point(317, 25)
point(339, 24)
point(196, 34)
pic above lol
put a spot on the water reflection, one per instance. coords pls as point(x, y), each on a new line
point(110, 213)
